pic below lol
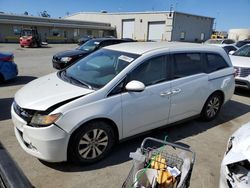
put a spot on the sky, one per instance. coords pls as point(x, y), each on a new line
point(229, 14)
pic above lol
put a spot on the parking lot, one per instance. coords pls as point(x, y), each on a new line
point(208, 140)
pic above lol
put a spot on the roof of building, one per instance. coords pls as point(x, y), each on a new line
point(55, 22)
point(146, 12)
point(144, 47)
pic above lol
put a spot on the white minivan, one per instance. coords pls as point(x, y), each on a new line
point(79, 113)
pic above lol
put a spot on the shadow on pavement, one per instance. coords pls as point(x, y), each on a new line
point(5, 106)
point(19, 80)
point(120, 154)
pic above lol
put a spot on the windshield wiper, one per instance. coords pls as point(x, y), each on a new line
point(79, 81)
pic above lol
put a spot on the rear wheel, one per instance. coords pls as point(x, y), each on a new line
point(212, 107)
point(91, 143)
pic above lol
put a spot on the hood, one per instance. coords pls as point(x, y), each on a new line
point(47, 91)
point(70, 53)
point(240, 146)
point(239, 61)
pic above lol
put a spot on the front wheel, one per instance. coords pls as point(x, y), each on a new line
point(91, 143)
point(212, 107)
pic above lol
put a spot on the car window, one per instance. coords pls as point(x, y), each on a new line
point(215, 62)
point(243, 51)
point(109, 42)
point(186, 64)
point(151, 71)
point(229, 48)
point(227, 41)
point(100, 67)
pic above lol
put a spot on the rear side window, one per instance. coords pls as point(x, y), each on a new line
point(186, 64)
point(215, 62)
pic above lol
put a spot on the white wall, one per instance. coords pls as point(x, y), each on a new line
point(192, 25)
point(239, 34)
point(141, 22)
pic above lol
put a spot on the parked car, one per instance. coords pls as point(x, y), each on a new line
point(8, 69)
point(227, 47)
point(79, 113)
point(10, 174)
point(66, 58)
point(84, 39)
point(241, 62)
point(235, 167)
point(219, 41)
point(242, 43)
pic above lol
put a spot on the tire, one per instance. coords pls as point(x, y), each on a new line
point(92, 142)
point(1, 78)
point(212, 107)
point(22, 46)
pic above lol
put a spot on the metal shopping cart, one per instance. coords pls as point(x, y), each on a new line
point(157, 158)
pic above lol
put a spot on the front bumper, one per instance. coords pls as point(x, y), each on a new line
point(48, 143)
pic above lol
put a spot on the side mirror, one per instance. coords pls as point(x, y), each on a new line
point(135, 86)
point(231, 52)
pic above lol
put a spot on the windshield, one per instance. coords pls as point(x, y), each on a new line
point(213, 41)
point(89, 46)
point(244, 51)
point(26, 33)
point(97, 69)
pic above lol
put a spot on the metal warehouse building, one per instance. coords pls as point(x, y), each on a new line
point(163, 25)
point(51, 30)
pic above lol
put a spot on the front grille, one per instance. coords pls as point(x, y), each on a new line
point(25, 114)
point(242, 71)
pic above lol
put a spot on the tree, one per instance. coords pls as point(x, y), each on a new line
point(45, 14)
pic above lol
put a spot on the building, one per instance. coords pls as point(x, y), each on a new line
point(51, 30)
point(239, 34)
point(159, 25)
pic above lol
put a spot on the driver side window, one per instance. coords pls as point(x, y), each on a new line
point(150, 72)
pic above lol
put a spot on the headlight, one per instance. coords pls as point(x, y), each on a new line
point(40, 120)
point(230, 144)
point(66, 59)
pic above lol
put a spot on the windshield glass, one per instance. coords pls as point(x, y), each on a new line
point(26, 33)
point(244, 51)
point(89, 45)
point(213, 41)
point(97, 69)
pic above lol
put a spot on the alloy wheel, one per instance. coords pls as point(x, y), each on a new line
point(93, 143)
point(213, 107)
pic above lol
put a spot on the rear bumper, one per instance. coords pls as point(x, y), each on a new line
point(9, 70)
point(48, 143)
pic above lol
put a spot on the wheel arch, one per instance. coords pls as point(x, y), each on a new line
point(107, 120)
point(220, 92)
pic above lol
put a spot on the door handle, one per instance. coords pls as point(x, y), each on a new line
point(175, 91)
point(165, 93)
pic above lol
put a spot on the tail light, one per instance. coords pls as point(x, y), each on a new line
point(236, 71)
point(7, 59)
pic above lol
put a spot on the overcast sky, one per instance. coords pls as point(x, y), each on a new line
point(228, 13)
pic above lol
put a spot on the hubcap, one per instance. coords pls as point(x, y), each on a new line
point(93, 144)
point(213, 107)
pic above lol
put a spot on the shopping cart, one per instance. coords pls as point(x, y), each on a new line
point(149, 160)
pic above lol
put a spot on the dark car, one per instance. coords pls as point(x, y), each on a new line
point(64, 59)
point(242, 43)
point(8, 69)
point(84, 39)
point(10, 174)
